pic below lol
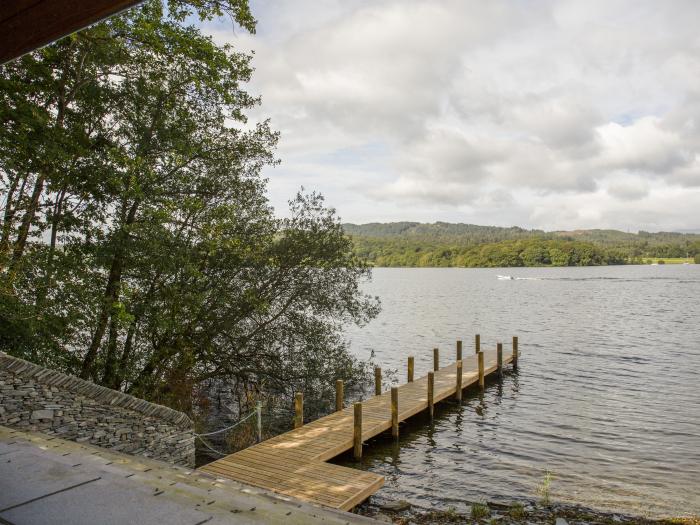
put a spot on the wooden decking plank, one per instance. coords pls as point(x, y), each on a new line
point(294, 492)
point(359, 497)
point(294, 463)
point(316, 484)
point(339, 474)
point(295, 486)
point(269, 472)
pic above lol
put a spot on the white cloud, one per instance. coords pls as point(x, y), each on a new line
point(574, 113)
point(642, 146)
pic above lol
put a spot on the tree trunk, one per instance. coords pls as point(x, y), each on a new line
point(126, 355)
point(111, 295)
point(111, 359)
point(9, 215)
point(27, 221)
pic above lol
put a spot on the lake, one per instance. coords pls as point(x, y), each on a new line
point(606, 398)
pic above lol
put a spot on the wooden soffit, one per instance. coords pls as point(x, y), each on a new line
point(26, 25)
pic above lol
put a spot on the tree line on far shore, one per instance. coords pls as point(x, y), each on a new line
point(452, 245)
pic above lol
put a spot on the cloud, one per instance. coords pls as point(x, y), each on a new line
point(628, 189)
point(642, 146)
point(431, 109)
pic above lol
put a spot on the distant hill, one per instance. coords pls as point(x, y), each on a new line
point(440, 230)
point(448, 244)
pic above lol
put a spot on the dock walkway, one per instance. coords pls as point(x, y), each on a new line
point(294, 463)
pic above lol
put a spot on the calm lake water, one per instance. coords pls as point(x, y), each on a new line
point(607, 396)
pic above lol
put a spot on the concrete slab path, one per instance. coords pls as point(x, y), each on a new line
point(47, 480)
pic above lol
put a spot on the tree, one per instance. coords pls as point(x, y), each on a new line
point(138, 248)
point(535, 254)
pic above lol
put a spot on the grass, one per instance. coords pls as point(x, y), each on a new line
point(480, 511)
point(516, 511)
point(543, 489)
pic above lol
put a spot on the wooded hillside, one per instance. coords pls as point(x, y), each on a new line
point(445, 244)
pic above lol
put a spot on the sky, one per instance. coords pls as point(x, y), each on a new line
point(541, 114)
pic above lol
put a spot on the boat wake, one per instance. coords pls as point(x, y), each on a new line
point(511, 278)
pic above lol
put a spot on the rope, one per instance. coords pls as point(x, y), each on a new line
point(209, 447)
point(204, 441)
point(254, 412)
point(200, 436)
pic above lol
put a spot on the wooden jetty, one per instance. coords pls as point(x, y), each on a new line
point(294, 463)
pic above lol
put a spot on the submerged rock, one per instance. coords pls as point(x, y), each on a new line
point(396, 506)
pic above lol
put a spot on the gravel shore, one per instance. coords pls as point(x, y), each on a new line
point(525, 513)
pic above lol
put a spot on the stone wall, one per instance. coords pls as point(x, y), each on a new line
point(38, 399)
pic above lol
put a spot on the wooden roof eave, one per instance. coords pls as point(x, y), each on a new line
point(26, 25)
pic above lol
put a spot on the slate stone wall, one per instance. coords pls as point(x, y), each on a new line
point(38, 399)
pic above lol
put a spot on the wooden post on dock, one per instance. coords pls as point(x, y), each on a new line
point(458, 386)
point(436, 359)
point(339, 395)
point(481, 369)
point(377, 381)
point(477, 343)
point(515, 352)
point(411, 363)
point(395, 412)
point(459, 350)
point(499, 358)
point(357, 431)
point(298, 410)
point(431, 393)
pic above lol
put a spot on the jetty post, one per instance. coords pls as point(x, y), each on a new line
point(431, 393)
point(298, 409)
point(357, 431)
point(339, 395)
point(459, 350)
point(377, 381)
point(477, 343)
point(458, 386)
point(436, 359)
point(499, 358)
point(481, 370)
point(515, 352)
point(302, 447)
point(395, 412)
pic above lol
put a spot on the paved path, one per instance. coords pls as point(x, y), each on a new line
point(46, 480)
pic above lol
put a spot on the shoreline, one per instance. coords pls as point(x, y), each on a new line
point(528, 512)
point(539, 267)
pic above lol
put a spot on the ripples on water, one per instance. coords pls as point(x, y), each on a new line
point(607, 396)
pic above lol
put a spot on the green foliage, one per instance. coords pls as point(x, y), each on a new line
point(543, 490)
point(697, 258)
point(137, 246)
point(480, 511)
point(443, 245)
point(528, 252)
